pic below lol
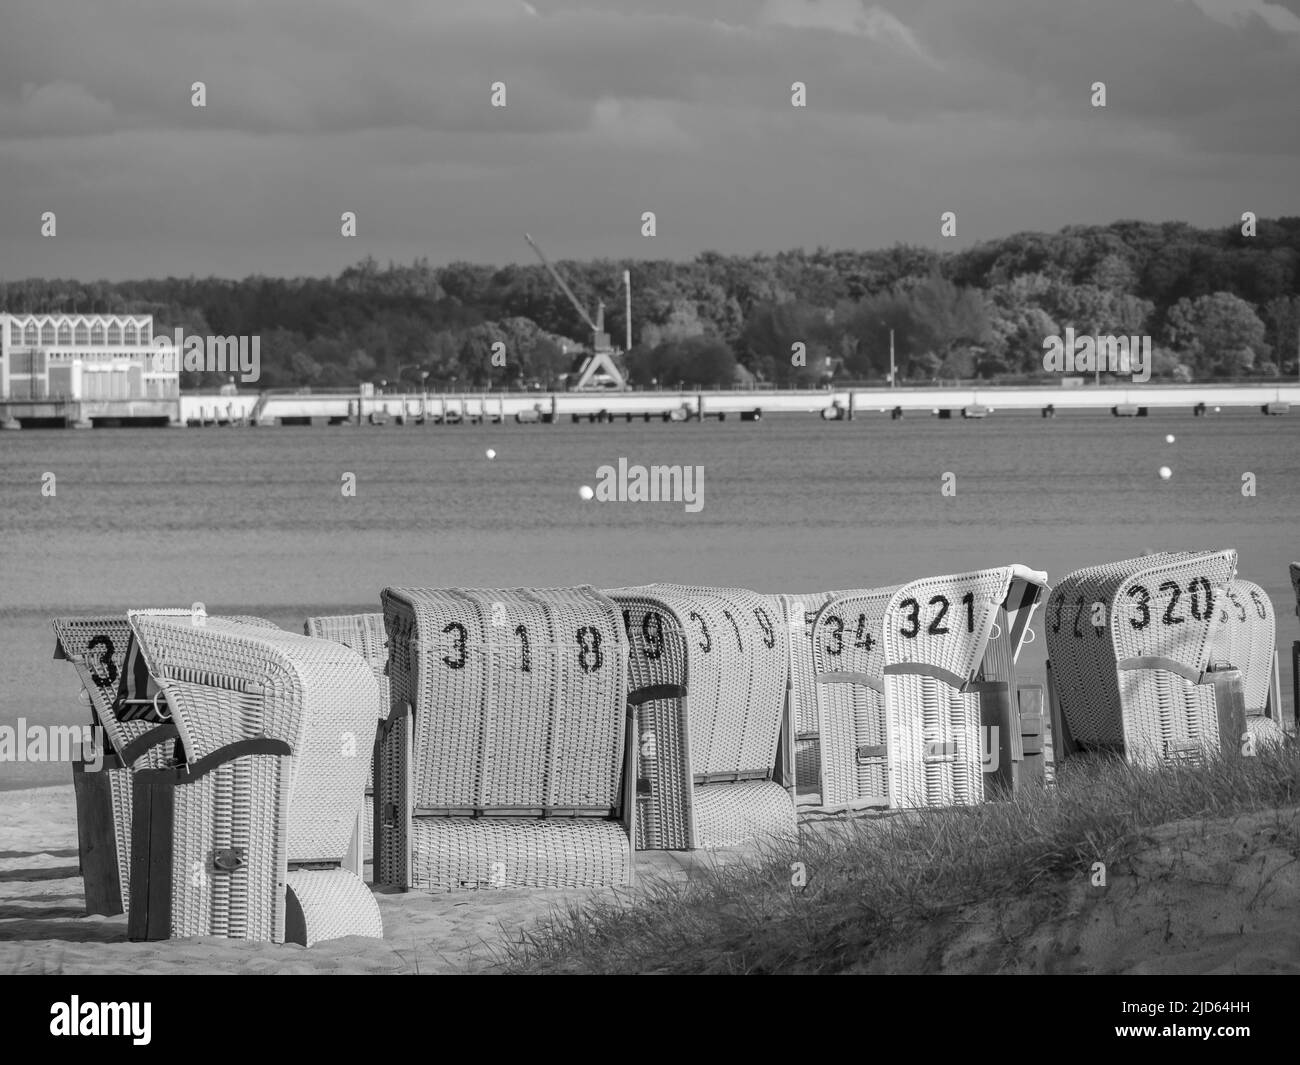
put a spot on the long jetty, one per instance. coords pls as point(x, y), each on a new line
point(286, 407)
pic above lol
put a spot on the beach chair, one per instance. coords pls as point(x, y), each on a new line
point(799, 612)
point(366, 635)
point(1131, 647)
point(253, 836)
point(709, 772)
point(1245, 639)
point(98, 648)
point(505, 759)
point(917, 697)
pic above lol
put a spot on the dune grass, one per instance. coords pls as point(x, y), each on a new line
point(872, 881)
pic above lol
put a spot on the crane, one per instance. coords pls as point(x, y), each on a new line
point(600, 361)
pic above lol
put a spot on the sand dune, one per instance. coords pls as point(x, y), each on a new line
point(1197, 897)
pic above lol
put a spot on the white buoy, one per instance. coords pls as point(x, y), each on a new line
point(491, 453)
point(1217, 409)
point(1165, 473)
point(1169, 439)
point(586, 492)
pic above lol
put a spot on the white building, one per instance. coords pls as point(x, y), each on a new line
point(83, 357)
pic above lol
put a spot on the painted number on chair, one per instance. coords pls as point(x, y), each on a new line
point(937, 613)
point(652, 630)
point(458, 644)
point(862, 639)
point(706, 641)
point(589, 657)
point(1200, 595)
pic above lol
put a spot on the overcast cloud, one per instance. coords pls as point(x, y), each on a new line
point(681, 107)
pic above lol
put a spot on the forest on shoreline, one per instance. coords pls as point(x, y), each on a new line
point(1219, 304)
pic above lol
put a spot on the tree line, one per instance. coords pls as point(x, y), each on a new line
point(1218, 304)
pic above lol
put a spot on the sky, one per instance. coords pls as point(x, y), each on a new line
point(680, 107)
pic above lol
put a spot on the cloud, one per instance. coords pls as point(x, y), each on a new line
point(59, 108)
point(1244, 12)
point(640, 124)
point(843, 16)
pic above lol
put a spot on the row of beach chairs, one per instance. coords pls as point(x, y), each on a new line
point(542, 737)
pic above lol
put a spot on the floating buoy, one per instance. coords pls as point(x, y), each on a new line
point(491, 453)
point(1169, 439)
point(586, 492)
point(1165, 473)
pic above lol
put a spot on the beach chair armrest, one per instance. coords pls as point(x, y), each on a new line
point(653, 692)
point(134, 750)
point(230, 753)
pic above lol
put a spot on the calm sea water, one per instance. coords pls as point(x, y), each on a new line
point(254, 521)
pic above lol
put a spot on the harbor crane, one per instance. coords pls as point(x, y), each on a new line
point(598, 370)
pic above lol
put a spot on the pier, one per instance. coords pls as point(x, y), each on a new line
point(402, 409)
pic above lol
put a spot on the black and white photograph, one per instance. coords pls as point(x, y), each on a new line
point(650, 487)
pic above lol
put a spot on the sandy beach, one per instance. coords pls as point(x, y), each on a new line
point(44, 928)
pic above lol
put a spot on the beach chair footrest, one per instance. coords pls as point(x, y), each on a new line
point(458, 853)
point(326, 904)
point(727, 815)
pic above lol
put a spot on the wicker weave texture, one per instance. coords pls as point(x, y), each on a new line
point(334, 903)
point(731, 814)
point(848, 636)
point(459, 853)
point(365, 634)
point(243, 805)
point(1164, 606)
point(1245, 638)
point(519, 695)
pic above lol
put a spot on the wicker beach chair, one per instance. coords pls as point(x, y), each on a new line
point(254, 836)
point(918, 703)
point(708, 771)
point(99, 649)
point(366, 635)
point(799, 612)
point(1132, 646)
point(505, 759)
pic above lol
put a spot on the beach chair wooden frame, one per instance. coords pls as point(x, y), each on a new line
point(97, 647)
point(715, 765)
point(506, 758)
point(1132, 648)
point(365, 634)
point(254, 836)
point(918, 702)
